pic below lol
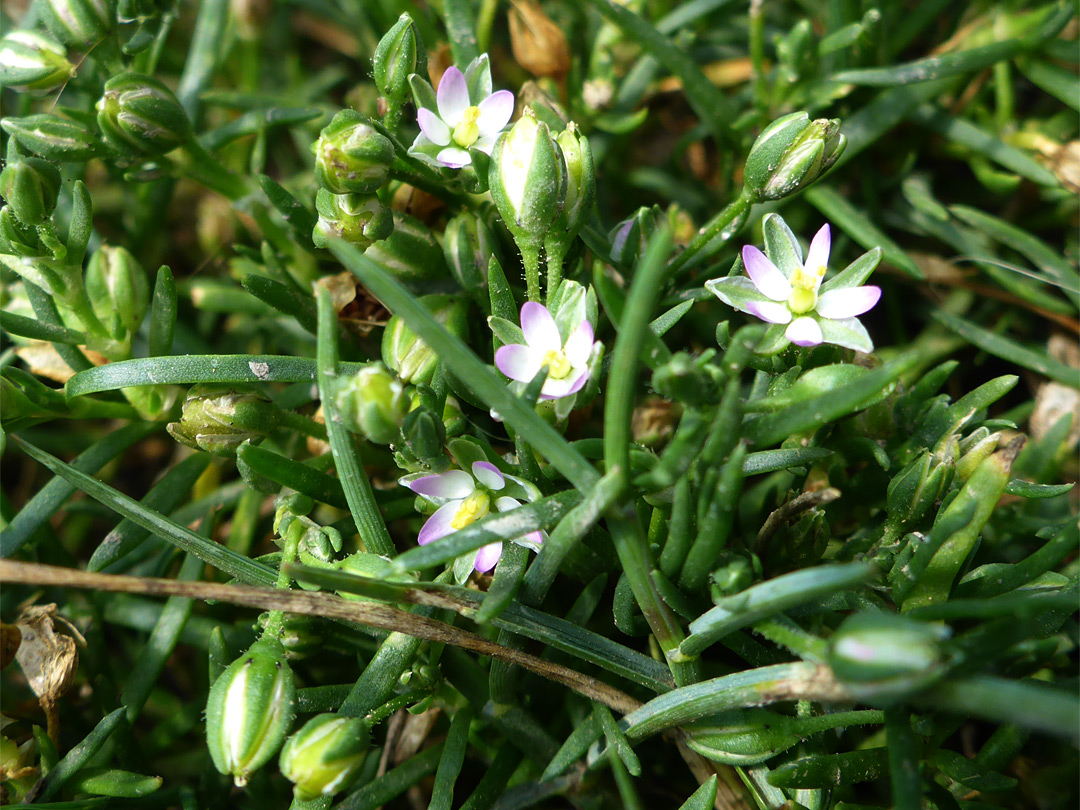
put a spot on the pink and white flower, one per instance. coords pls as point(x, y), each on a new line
point(567, 361)
point(460, 123)
point(793, 294)
point(464, 499)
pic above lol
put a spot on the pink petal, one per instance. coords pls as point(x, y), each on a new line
point(454, 158)
point(539, 327)
point(495, 112)
point(765, 275)
point(433, 127)
point(847, 303)
point(804, 332)
point(453, 97)
point(579, 345)
point(818, 254)
point(518, 362)
point(533, 540)
point(450, 484)
point(768, 311)
point(488, 557)
point(488, 475)
point(440, 524)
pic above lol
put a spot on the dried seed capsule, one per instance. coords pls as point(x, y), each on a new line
point(218, 419)
point(350, 156)
point(357, 218)
point(250, 710)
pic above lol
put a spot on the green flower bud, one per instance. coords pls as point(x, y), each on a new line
point(914, 490)
point(689, 379)
point(118, 290)
point(886, 656)
point(411, 252)
point(791, 154)
point(141, 118)
point(410, 357)
point(356, 218)
point(350, 156)
point(33, 61)
point(217, 419)
point(301, 636)
point(60, 140)
point(19, 239)
point(324, 757)
point(631, 236)
point(31, 187)
point(78, 22)
point(372, 403)
point(24, 396)
point(580, 187)
point(424, 434)
point(399, 54)
point(527, 181)
point(737, 572)
point(468, 245)
point(250, 710)
point(975, 448)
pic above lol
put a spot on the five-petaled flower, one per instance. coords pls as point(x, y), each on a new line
point(459, 124)
point(795, 296)
point(567, 361)
point(464, 499)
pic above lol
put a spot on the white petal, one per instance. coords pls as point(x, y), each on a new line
point(579, 345)
point(555, 389)
point(504, 503)
point(454, 158)
point(453, 97)
point(847, 303)
point(488, 557)
point(804, 332)
point(450, 484)
point(486, 143)
point(765, 275)
point(495, 112)
point(432, 126)
point(817, 256)
point(768, 311)
point(488, 475)
point(518, 362)
point(539, 328)
point(440, 524)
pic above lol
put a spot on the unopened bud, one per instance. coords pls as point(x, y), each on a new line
point(357, 218)
point(31, 187)
point(399, 54)
point(33, 61)
point(372, 403)
point(350, 156)
point(118, 290)
point(250, 710)
point(631, 236)
point(78, 22)
point(410, 357)
point(54, 138)
point(791, 154)
point(140, 117)
point(218, 419)
point(689, 379)
point(19, 239)
point(468, 245)
point(884, 655)
point(324, 757)
point(580, 192)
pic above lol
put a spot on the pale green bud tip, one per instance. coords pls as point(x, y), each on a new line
point(324, 757)
point(399, 54)
point(31, 187)
point(880, 647)
point(140, 117)
point(527, 180)
point(218, 419)
point(250, 710)
point(350, 156)
point(118, 290)
point(33, 61)
point(373, 403)
point(357, 218)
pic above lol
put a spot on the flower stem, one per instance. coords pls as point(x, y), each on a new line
point(275, 622)
point(303, 424)
point(714, 235)
point(530, 257)
point(555, 255)
point(204, 168)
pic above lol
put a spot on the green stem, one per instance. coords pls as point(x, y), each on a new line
point(303, 424)
point(716, 233)
point(555, 255)
point(757, 54)
point(204, 168)
point(275, 622)
point(530, 257)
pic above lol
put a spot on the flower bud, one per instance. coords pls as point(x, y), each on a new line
point(118, 290)
point(60, 140)
point(325, 755)
point(468, 245)
point(301, 636)
point(737, 572)
point(350, 156)
point(250, 710)
point(19, 239)
point(886, 655)
point(580, 187)
point(526, 181)
point(217, 419)
point(77, 22)
point(411, 252)
point(33, 61)
point(790, 155)
point(410, 357)
point(140, 117)
point(689, 379)
point(424, 434)
point(372, 403)
point(399, 54)
point(914, 490)
point(975, 448)
point(631, 236)
point(31, 187)
point(357, 218)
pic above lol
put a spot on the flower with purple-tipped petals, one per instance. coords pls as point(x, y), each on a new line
point(790, 291)
point(462, 499)
point(567, 361)
point(459, 122)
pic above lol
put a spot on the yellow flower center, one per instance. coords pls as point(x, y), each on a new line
point(558, 366)
point(466, 133)
point(804, 287)
point(472, 509)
